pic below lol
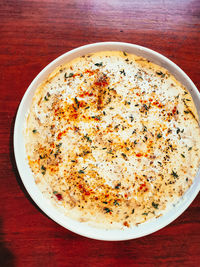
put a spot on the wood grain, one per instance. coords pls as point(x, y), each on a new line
point(32, 34)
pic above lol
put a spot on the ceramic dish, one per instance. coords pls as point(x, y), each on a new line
point(27, 176)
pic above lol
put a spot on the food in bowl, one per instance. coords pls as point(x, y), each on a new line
point(112, 139)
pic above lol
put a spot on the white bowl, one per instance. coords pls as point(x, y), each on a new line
point(25, 171)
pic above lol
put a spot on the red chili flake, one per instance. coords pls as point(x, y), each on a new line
point(86, 94)
point(87, 193)
point(139, 155)
point(80, 186)
point(76, 129)
point(59, 135)
point(156, 103)
point(89, 94)
point(106, 195)
point(142, 186)
point(97, 83)
point(174, 110)
point(101, 82)
point(75, 115)
point(81, 104)
point(96, 198)
point(56, 111)
point(59, 196)
point(89, 72)
point(126, 224)
point(99, 101)
point(126, 195)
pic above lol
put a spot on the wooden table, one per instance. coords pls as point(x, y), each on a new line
point(33, 33)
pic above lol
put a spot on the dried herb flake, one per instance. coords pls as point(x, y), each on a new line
point(154, 205)
point(99, 64)
point(174, 174)
point(107, 210)
point(159, 135)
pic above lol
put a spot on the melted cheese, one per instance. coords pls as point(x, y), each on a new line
point(113, 139)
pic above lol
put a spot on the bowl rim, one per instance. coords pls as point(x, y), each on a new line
point(27, 177)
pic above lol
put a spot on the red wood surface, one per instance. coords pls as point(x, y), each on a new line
point(33, 33)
